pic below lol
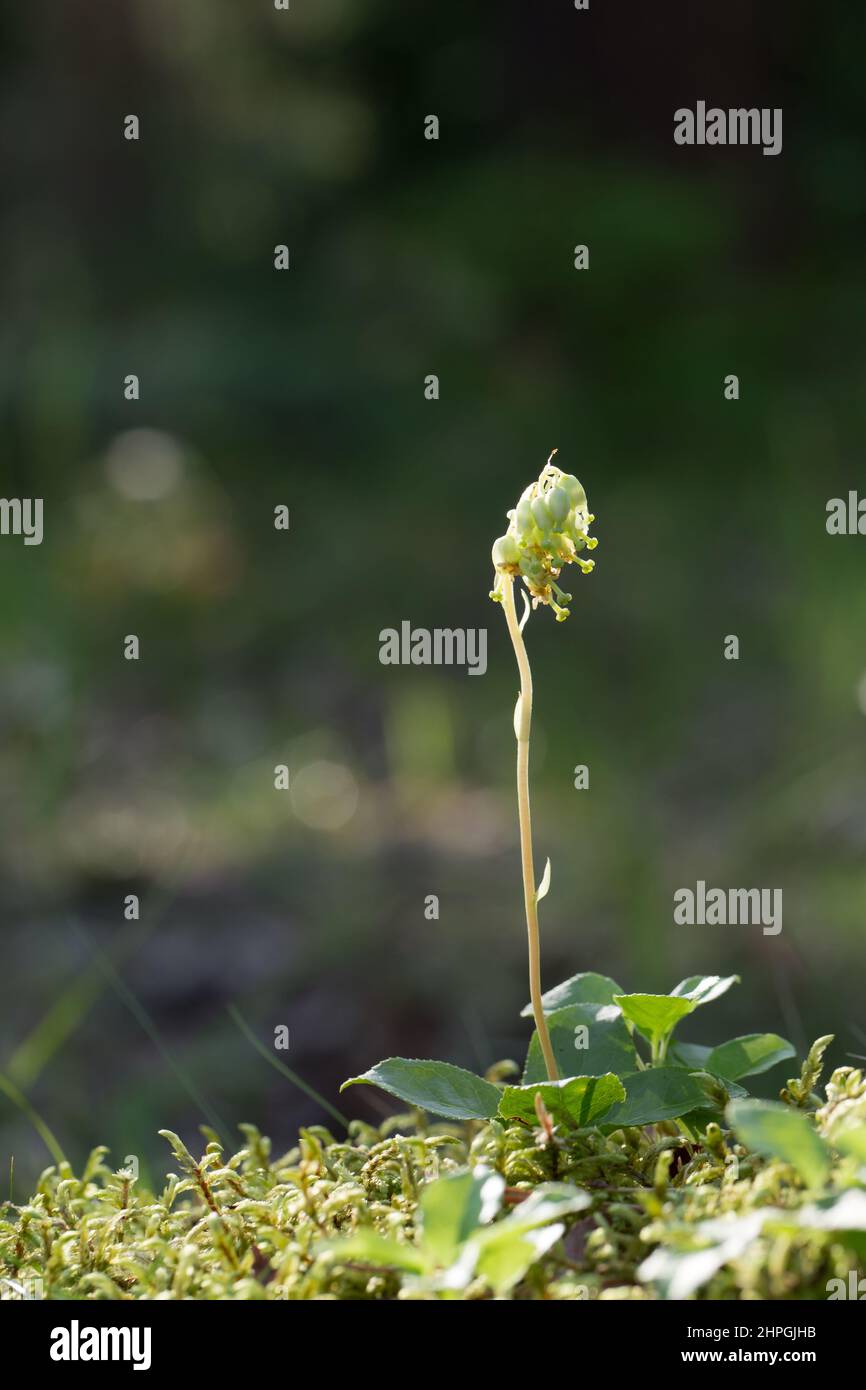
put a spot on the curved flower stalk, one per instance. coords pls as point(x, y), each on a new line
point(547, 530)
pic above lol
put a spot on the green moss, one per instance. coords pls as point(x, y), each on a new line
point(252, 1226)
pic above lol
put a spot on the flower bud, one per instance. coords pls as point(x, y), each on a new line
point(559, 505)
point(505, 551)
point(541, 514)
point(549, 527)
point(523, 516)
point(574, 489)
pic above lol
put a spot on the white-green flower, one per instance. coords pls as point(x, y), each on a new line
point(547, 529)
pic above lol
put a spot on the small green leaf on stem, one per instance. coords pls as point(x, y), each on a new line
point(654, 1015)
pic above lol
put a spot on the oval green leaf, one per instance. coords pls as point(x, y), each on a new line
point(660, 1093)
point(748, 1056)
point(439, 1087)
point(586, 988)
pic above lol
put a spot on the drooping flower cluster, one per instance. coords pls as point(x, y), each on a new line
point(547, 529)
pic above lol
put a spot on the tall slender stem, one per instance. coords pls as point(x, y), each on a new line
point(522, 725)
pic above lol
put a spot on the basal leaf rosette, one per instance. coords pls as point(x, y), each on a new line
point(547, 530)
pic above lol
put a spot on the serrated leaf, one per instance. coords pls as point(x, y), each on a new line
point(453, 1206)
point(654, 1015)
point(659, 1093)
point(610, 1049)
point(703, 989)
point(586, 988)
point(578, 1100)
point(439, 1087)
point(544, 885)
point(749, 1055)
point(778, 1131)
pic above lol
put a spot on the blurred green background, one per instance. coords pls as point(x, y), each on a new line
point(259, 647)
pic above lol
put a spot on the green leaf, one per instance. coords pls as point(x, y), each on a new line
point(777, 1131)
point(578, 1100)
point(654, 1015)
point(660, 1093)
point(749, 1055)
point(504, 1260)
point(587, 988)
point(508, 1248)
point(703, 989)
point(693, 1056)
point(366, 1246)
point(453, 1206)
point(609, 1047)
point(459, 1240)
point(435, 1086)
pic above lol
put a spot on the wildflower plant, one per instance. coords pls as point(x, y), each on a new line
point(629, 1164)
point(547, 530)
point(631, 1072)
